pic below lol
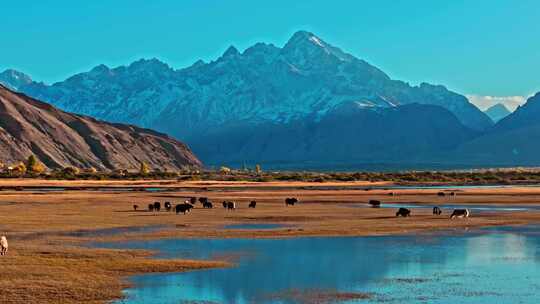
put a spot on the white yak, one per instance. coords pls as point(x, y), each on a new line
point(3, 245)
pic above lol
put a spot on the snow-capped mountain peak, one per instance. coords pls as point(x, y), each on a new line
point(308, 44)
point(265, 83)
point(14, 79)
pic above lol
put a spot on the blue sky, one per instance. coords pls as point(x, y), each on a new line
point(474, 47)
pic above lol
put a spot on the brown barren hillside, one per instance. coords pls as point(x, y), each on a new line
point(60, 139)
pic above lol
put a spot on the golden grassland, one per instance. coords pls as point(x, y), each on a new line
point(50, 259)
point(35, 272)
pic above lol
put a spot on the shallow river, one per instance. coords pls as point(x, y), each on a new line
point(499, 265)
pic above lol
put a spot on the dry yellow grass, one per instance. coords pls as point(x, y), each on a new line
point(64, 274)
point(49, 263)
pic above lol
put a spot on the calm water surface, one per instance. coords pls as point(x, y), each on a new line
point(492, 266)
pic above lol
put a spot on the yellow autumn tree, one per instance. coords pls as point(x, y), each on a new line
point(33, 165)
point(18, 169)
point(144, 169)
point(91, 170)
point(70, 171)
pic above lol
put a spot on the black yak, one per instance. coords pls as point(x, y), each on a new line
point(374, 203)
point(291, 201)
point(403, 212)
point(183, 208)
point(460, 213)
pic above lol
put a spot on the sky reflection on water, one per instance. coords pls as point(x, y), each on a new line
point(501, 265)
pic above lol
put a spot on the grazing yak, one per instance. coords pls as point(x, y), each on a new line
point(452, 193)
point(252, 204)
point(291, 201)
point(203, 200)
point(150, 207)
point(157, 206)
point(374, 203)
point(224, 204)
point(437, 211)
point(403, 212)
point(440, 193)
point(183, 208)
point(3, 245)
point(231, 205)
point(135, 207)
point(460, 213)
point(168, 206)
point(208, 205)
point(193, 200)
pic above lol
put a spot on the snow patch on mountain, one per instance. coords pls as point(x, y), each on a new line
point(306, 77)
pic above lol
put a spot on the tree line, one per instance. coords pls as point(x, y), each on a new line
point(33, 168)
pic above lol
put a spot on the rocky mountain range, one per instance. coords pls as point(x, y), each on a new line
point(60, 139)
point(296, 103)
point(348, 135)
point(514, 140)
point(15, 80)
